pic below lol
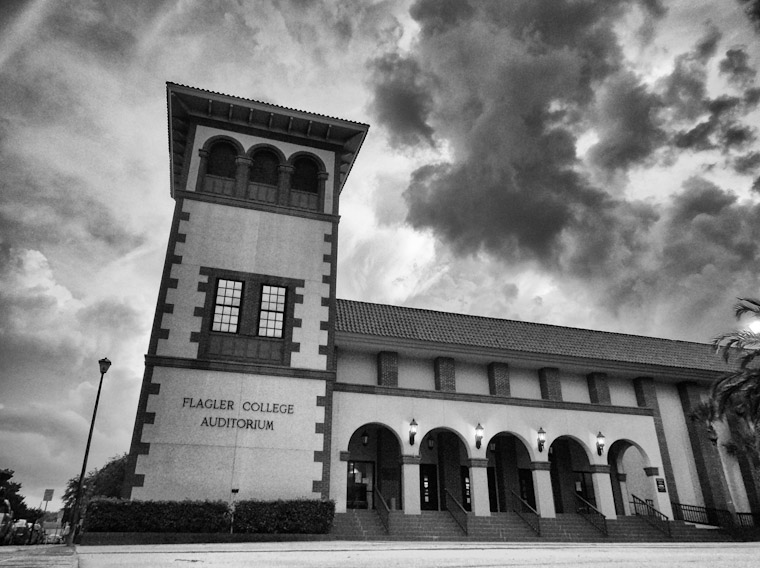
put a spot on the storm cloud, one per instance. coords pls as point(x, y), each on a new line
point(546, 119)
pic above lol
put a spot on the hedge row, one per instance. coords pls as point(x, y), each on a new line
point(284, 517)
point(300, 516)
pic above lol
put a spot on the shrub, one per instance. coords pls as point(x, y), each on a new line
point(115, 515)
point(298, 516)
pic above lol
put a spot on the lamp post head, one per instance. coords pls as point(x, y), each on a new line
point(412, 431)
point(104, 365)
point(600, 443)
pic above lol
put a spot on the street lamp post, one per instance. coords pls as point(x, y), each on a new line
point(104, 365)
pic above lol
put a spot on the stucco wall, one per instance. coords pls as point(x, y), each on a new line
point(574, 387)
point(622, 392)
point(270, 457)
point(471, 378)
point(246, 240)
point(523, 383)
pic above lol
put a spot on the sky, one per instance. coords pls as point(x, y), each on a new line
point(582, 163)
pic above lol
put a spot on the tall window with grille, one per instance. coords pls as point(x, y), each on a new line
point(272, 312)
point(229, 295)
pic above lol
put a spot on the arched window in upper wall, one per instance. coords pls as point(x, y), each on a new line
point(305, 175)
point(221, 160)
point(265, 167)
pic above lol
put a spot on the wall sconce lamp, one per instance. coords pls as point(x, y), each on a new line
point(541, 439)
point(431, 443)
point(412, 431)
point(365, 438)
point(600, 443)
point(478, 435)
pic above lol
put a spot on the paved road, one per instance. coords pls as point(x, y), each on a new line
point(419, 555)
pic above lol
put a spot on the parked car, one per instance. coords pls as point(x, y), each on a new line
point(26, 533)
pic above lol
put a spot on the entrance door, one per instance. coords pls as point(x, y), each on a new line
point(493, 492)
point(361, 475)
point(525, 476)
point(428, 487)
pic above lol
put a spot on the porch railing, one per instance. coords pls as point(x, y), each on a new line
point(456, 510)
point(651, 515)
point(526, 512)
point(591, 514)
point(748, 520)
point(381, 506)
point(703, 515)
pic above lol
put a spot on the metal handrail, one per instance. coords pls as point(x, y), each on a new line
point(591, 514)
point(703, 515)
point(458, 512)
point(651, 515)
point(526, 512)
point(748, 519)
point(382, 511)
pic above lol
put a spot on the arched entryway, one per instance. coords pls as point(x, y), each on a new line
point(444, 469)
point(373, 466)
point(570, 474)
point(509, 472)
point(628, 476)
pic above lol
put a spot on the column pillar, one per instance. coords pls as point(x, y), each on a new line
point(605, 502)
point(481, 505)
point(548, 380)
point(646, 397)
point(202, 169)
point(410, 484)
point(498, 379)
point(283, 184)
point(321, 180)
point(242, 167)
point(706, 457)
point(624, 496)
point(338, 486)
point(542, 485)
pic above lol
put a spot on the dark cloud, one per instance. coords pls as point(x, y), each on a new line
point(629, 130)
point(747, 163)
point(401, 99)
point(510, 86)
point(685, 90)
point(736, 67)
point(752, 10)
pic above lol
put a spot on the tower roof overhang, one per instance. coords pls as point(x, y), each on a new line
point(186, 104)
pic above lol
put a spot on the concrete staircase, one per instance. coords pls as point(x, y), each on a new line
point(509, 527)
point(501, 527)
point(358, 524)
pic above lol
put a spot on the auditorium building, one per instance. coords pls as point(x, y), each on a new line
point(260, 384)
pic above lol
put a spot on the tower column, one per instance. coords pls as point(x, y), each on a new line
point(481, 506)
point(283, 185)
point(242, 167)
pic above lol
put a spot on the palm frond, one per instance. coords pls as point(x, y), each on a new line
point(746, 306)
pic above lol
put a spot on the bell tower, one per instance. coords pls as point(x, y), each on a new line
point(237, 390)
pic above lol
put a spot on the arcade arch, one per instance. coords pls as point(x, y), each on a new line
point(374, 465)
point(509, 472)
point(628, 464)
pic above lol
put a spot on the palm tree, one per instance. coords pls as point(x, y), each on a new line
point(737, 394)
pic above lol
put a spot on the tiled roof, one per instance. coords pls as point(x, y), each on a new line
point(465, 330)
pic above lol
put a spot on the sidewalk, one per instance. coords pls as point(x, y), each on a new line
point(39, 556)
